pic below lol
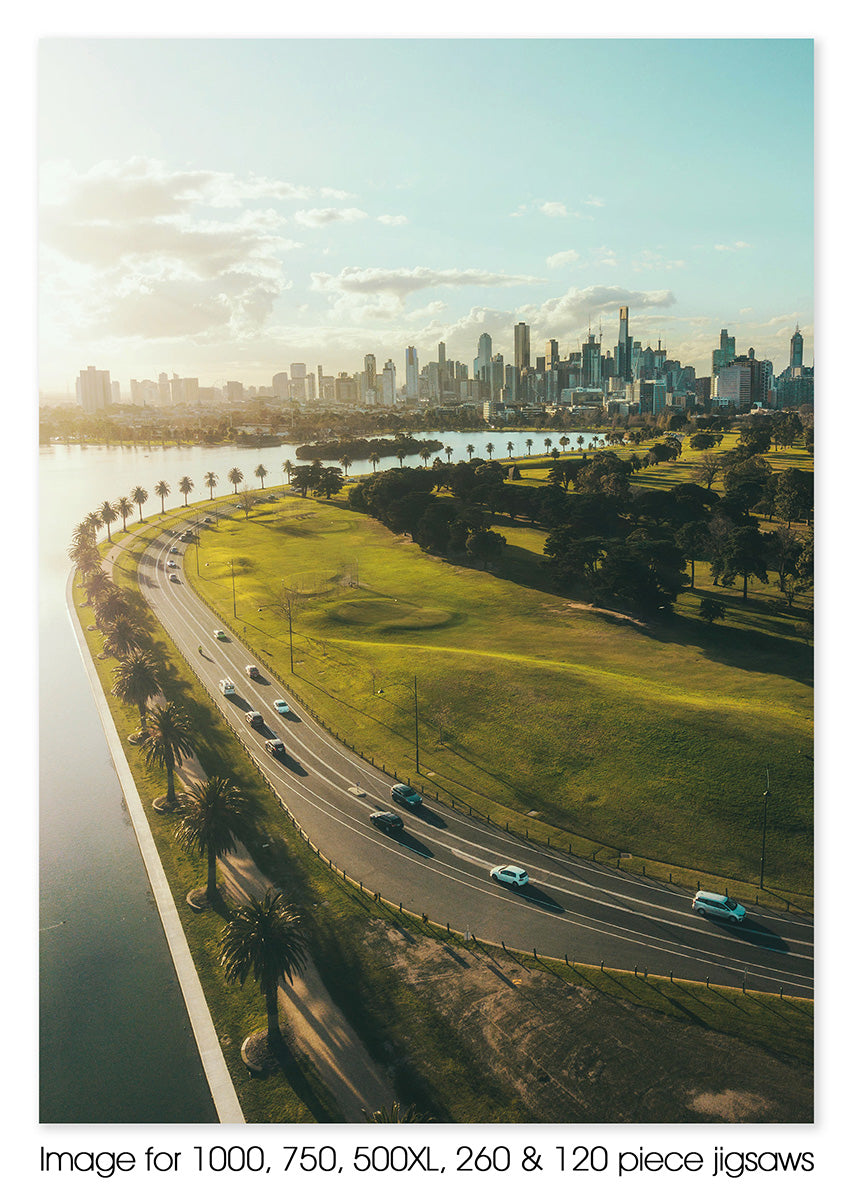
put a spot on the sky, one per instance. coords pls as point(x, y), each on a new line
point(220, 208)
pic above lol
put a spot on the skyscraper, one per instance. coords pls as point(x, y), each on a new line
point(797, 351)
point(725, 356)
point(522, 346)
point(624, 347)
point(484, 356)
point(94, 390)
point(411, 373)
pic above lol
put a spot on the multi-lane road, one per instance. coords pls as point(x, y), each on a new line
point(439, 864)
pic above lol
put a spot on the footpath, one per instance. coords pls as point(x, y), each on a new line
point(318, 1027)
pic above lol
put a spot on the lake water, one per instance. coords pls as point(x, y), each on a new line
point(115, 1040)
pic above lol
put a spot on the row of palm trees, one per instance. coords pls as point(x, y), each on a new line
point(263, 938)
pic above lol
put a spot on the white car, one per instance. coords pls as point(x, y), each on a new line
point(281, 706)
point(712, 904)
point(227, 687)
point(516, 877)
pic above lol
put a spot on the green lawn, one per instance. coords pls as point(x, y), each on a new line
point(580, 726)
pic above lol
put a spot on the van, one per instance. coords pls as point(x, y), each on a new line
point(227, 687)
point(712, 904)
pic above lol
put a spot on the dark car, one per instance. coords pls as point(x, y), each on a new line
point(403, 794)
point(387, 821)
point(255, 720)
point(275, 746)
point(253, 672)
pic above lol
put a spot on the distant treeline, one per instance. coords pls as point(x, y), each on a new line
point(359, 448)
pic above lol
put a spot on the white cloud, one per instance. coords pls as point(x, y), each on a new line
point(554, 208)
point(402, 281)
point(594, 202)
point(388, 219)
point(318, 217)
point(562, 259)
point(734, 246)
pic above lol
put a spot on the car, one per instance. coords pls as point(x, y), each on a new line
point(712, 904)
point(173, 578)
point(252, 671)
point(516, 877)
point(227, 687)
point(255, 720)
point(175, 550)
point(186, 537)
point(274, 746)
point(208, 520)
point(220, 635)
point(281, 706)
point(387, 821)
point(403, 794)
point(171, 563)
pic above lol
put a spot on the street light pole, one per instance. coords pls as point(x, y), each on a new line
point(764, 830)
point(233, 589)
point(417, 742)
point(290, 633)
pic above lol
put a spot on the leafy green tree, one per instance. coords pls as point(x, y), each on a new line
point(744, 554)
point(162, 489)
point(703, 440)
point(783, 552)
point(264, 939)
point(235, 476)
point(711, 610)
point(212, 818)
point(139, 496)
point(137, 680)
point(185, 486)
point(746, 480)
point(170, 740)
point(794, 497)
point(693, 538)
point(486, 545)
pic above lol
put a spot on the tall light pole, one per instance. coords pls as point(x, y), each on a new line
point(417, 743)
point(233, 589)
point(764, 830)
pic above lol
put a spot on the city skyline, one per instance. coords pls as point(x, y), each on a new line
point(198, 229)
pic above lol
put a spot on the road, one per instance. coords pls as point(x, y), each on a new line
point(439, 864)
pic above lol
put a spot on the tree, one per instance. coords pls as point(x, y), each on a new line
point(703, 440)
point(486, 545)
point(742, 553)
point(108, 515)
point(711, 610)
point(346, 463)
point(745, 480)
point(169, 741)
point(162, 489)
point(287, 467)
point(490, 449)
point(374, 460)
point(425, 454)
point(469, 450)
point(794, 496)
point(124, 508)
point(137, 680)
point(185, 486)
point(707, 468)
point(509, 448)
point(264, 939)
point(212, 818)
point(139, 496)
point(122, 636)
point(97, 584)
point(529, 444)
point(693, 540)
point(109, 605)
point(548, 444)
point(210, 481)
point(235, 476)
point(246, 500)
point(783, 553)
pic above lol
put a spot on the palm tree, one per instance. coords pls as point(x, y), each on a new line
point(95, 522)
point(424, 454)
point(169, 741)
point(85, 557)
point(97, 584)
point(212, 818)
point(548, 444)
point(287, 467)
point(565, 441)
point(490, 449)
point(580, 439)
point(469, 450)
point(185, 486)
point(139, 496)
point(264, 939)
point(210, 481)
point(346, 463)
point(510, 447)
point(261, 473)
point(124, 508)
point(448, 450)
point(529, 445)
point(373, 459)
point(235, 476)
point(162, 489)
point(122, 636)
point(108, 514)
point(137, 680)
point(109, 605)
point(395, 1115)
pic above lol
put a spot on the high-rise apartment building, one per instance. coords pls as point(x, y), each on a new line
point(591, 362)
point(389, 384)
point(411, 373)
point(280, 385)
point(94, 390)
point(522, 346)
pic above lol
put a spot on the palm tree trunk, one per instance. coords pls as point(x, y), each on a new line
point(274, 1039)
point(210, 891)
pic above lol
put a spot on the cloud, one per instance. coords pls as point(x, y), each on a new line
point(554, 208)
point(318, 217)
point(653, 260)
point(594, 202)
point(402, 281)
point(734, 246)
point(562, 259)
point(387, 219)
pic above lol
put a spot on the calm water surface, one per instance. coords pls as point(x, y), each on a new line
point(115, 1040)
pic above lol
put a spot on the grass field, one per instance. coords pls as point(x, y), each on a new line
point(587, 727)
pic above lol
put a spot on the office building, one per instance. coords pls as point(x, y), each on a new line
point(522, 346)
point(796, 352)
point(411, 373)
point(725, 356)
point(281, 386)
point(389, 384)
point(94, 390)
point(624, 347)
